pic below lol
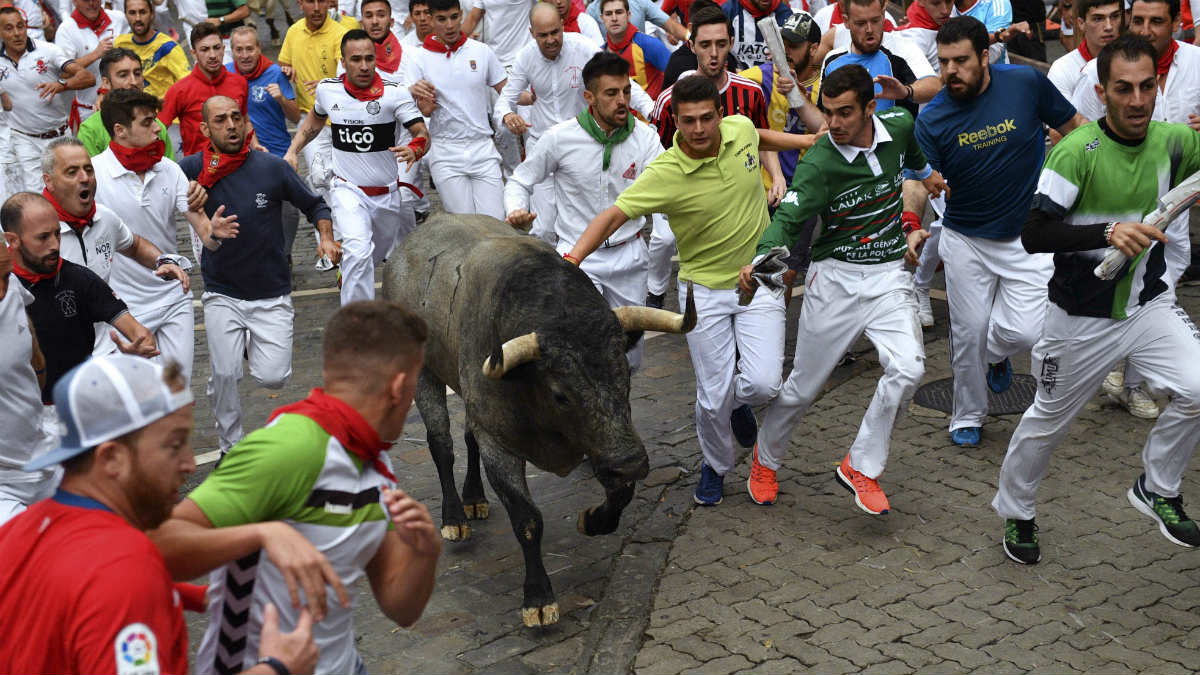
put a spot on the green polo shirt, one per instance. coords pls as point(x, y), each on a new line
point(717, 205)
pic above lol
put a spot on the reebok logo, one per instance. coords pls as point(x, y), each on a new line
point(989, 132)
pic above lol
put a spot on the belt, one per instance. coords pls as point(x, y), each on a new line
point(49, 134)
point(608, 244)
point(377, 190)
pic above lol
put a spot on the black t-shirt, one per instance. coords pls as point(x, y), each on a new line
point(64, 312)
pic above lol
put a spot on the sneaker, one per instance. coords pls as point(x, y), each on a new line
point(867, 493)
point(1168, 511)
point(745, 427)
point(1137, 402)
point(762, 486)
point(420, 216)
point(966, 436)
point(924, 309)
point(1021, 541)
point(1114, 382)
point(999, 376)
point(654, 300)
point(711, 488)
point(1191, 275)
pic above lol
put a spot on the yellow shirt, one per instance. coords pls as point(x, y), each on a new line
point(313, 55)
point(778, 107)
point(716, 205)
point(163, 61)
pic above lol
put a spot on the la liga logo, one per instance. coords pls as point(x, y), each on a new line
point(136, 650)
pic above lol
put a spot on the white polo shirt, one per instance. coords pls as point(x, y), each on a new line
point(506, 27)
point(582, 188)
point(42, 62)
point(362, 131)
point(21, 413)
point(558, 83)
point(1179, 96)
point(1066, 71)
point(148, 208)
point(96, 245)
point(462, 80)
point(78, 42)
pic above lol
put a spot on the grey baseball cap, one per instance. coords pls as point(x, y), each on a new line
point(800, 27)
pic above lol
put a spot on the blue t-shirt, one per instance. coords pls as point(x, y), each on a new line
point(990, 148)
point(640, 11)
point(270, 125)
point(876, 64)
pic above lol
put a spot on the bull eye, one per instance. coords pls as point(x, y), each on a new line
point(561, 398)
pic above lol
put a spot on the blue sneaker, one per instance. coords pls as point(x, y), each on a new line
point(999, 376)
point(711, 488)
point(966, 436)
point(745, 427)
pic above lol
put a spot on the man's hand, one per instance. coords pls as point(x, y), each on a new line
point(936, 186)
point(785, 84)
point(224, 227)
point(330, 249)
point(405, 154)
point(413, 523)
point(746, 282)
point(1132, 238)
point(776, 192)
point(425, 96)
point(288, 71)
point(48, 90)
point(1018, 28)
point(274, 91)
point(916, 239)
point(520, 218)
point(311, 86)
point(891, 88)
point(296, 649)
point(173, 271)
point(214, 20)
point(303, 567)
point(105, 45)
point(1194, 120)
point(142, 345)
point(290, 158)
point(515, 124)
point(196, 196)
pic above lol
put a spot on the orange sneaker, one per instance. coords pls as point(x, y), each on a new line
point(867, 493)
point(762, 486)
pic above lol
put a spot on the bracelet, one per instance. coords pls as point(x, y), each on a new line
point(571, 258)
point(418, 145)
point(275, 665)
point(909, 222)
point(910, 91)
point(1108, 232)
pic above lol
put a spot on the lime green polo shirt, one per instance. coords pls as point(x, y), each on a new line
point(717, 205)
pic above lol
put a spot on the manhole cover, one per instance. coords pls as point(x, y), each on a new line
point(939, 395)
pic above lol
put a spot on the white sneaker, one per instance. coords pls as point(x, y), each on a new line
point(1137, 402)
point(1114, 383)
point(924, 310)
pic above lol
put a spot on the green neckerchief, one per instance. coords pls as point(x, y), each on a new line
point(619, 134)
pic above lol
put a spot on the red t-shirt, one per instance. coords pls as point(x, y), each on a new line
point(85, 592)
point(185, 99)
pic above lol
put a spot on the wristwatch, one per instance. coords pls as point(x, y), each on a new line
point(275, 665)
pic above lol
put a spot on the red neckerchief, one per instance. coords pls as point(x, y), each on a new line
point(435, 45)
point(343, 423)
point(101, 22)
point(757, 13)
point(1164, 61)
point(371, 92)
point(216, 165)
point(259, 69)
point(34, 277)
point(214, 82)
point(571, 20)
point(1083, 51)
point(138, 160)
point(837, 15)
point(620, 47)
point(387, 53)
point(77, 223)
point(919, 18)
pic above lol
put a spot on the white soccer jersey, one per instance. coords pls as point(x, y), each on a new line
point(362, 131)
point(558, 83)
point(21, 414)
point(921, 39)
point(148, 206)
point(1172, 103)
point(1066, 71)
point(78, 42)
point(462, 80)
point(506, 27)
point(97, 245)
point(582, 188)
point(42, 62)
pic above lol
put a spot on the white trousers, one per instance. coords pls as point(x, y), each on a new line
point(174, 329)
point(997, 295)
point(261, 329)
point(414, 178)
point(619, 274)
point(1177, 255)
point(723, 380)
point(20, 489)
point(1070, 362)
point(467, 174)
point(929, 260)
point(841, 302)
point(662, 247)
point(27, 156)
point(369, 228)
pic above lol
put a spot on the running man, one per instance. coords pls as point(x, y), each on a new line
point(1097, 186)
point(856, 284)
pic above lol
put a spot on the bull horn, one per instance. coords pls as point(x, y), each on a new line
point(635, 318)
point(516, 351)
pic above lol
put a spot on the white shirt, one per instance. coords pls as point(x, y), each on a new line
point(582, 188)
point(42, 62)
point(362, 131)
point(590, 28)
point(824, 16)
point(148, 208)
point(558, 83)
point(21, 412)
point(923, 40)
point(506, 27)
point(78, 42)
point(898, 46)
point(1066, 71)
point(1179, 96)
point(97, 245)
point(462, 80)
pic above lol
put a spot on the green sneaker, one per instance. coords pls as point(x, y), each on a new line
point(1168, 511)
point(1021, 541)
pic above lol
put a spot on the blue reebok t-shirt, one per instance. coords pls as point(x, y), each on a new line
point(876, 64)
point(270, 125)
point(990, 149)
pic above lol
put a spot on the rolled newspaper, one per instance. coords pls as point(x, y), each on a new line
point(774, 40)
point(1170, 206)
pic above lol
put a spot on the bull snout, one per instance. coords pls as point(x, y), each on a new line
point(624, 470)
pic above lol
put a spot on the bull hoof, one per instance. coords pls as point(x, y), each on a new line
point(588, 524)
point(456, 532)
point(476, 511)
point(540, 616)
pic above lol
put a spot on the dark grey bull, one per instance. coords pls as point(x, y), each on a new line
point(538, 358)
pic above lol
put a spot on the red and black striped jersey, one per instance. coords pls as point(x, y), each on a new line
point(739, 96)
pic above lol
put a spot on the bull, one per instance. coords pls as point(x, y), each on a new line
point(538, 358)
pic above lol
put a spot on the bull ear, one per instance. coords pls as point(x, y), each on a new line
point(631, 339)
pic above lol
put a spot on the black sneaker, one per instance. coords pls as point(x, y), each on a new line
point(1191, 275)
point(420, 216)
point(745, 427)
point(1168, 511)
point(654, 300)
point(1021, 541)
